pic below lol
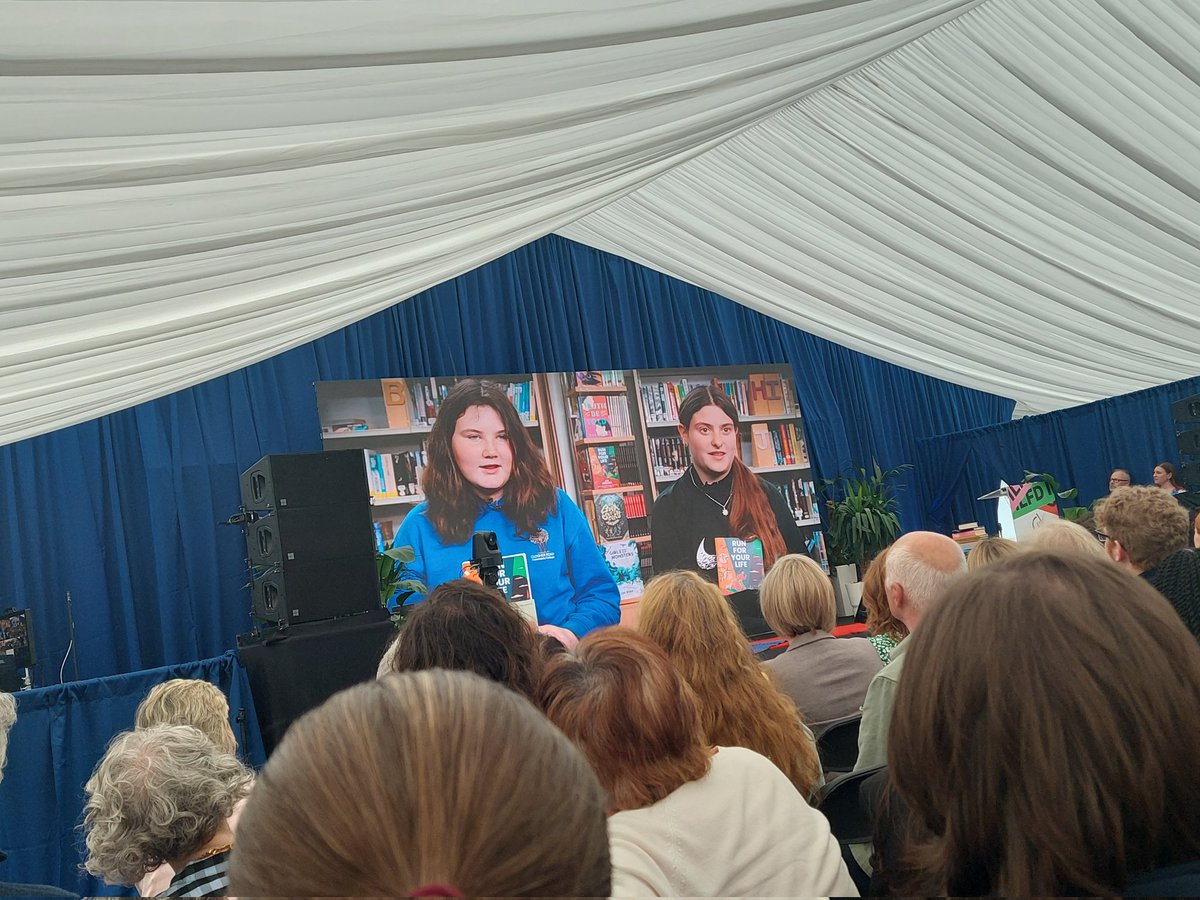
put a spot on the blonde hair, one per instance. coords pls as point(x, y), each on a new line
point(424, 778)
point(797, 597)
point(989, 550)
point(8, 717)
point(157, 795)
point(1059, 534)
point(740, 704)
point(189, 701)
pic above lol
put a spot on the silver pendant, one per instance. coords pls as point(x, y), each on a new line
point(724, 511)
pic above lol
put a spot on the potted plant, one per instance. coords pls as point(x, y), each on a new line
point(862, 521)
point(393, 586)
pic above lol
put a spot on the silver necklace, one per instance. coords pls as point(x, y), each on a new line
point(724, 506)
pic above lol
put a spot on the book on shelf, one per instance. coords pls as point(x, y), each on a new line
point(635, 514)
point(801, 495)
point(777, 444)
point(669, 456)
point(599, 468)
point(610, 519)
point(661, 399)
point(604, 415)
point(523, 399)
point(624, 562)
point(394, 474)
point(602, 378)
point(817, 549)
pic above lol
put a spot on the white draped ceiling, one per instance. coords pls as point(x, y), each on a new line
point(1001, 193)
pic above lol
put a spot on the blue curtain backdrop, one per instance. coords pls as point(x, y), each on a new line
point(1079, 446)
point(122, 512)
point(60, 735)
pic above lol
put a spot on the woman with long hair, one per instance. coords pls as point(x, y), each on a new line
point(1045, 731)
point(686, 818)
point(426, 784)
point(484, 473)
point(718, 497)
point(740, 705)
point(885, 631)
point(1167, 478)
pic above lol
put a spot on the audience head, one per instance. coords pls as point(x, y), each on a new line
point(468, 626)
point(1065, 537)
point(920, 566)
point(990, 550)
point(8, 717)
point(797, 597)
point(159, 794)
point(189, 701)
point(1166, 478)
point(1119, 478)
point(1196, 531)
point(1141, 526)
point(692, 621)
point(424, 779)
point(1040, 771)
point(874, 597)
point(632, 714)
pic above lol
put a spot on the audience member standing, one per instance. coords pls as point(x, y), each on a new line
point(740, 706)
point(687, 819)
point(1045, 730)
point(164, 795)
point(1144, 529)
point(425, 784)
point(920, 566)
point(826, 677)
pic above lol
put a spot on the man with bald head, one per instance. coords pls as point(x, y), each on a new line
point(920, 566)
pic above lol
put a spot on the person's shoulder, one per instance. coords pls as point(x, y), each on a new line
point(670, 494)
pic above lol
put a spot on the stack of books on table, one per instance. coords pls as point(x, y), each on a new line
point(968, 535)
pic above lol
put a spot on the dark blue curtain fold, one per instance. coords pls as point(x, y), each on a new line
point(60, 735)
point(1079, 446)
point(123, 511)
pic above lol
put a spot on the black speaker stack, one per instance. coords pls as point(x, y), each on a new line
point(1186, 413)
point(310, 541)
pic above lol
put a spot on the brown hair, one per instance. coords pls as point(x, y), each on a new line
point(990, 550)
point(454, 504)
point(1147, 521)
point(796, 597)
point(740, 704)
point(879, 614)
point(421, 779)
point(631, 713)
point(1043, 730)
point(467, 626)
point(1172, 475)
point(750, 515)
point(189, 701)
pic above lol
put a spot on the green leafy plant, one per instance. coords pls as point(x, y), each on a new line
point(862, 511)
point(391, 562)
point(1071, 513)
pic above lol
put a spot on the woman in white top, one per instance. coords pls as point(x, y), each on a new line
point(685, 818)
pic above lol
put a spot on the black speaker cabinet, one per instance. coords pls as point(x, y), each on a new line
point(294, 480)
point(1189, 474)
point(311, 591)
point(311, 534)
point(1186, 410)
point(1189, 441)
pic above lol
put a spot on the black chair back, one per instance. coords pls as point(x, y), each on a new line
point(837, 744)
point(850, 820)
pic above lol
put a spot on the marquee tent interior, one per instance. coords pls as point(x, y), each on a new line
point(935, 209)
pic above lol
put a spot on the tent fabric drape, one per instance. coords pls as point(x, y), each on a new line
point(123, 511)
point(60, 735)
point(1011, 202)
point(1079, 446)
point(189, 188)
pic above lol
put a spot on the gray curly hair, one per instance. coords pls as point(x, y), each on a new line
point(158, 794)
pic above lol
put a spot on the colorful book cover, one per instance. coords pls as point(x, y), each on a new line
point(611, 524)
point(739, 564)
point(602, 464)
point(625, 563)
point(593, 416)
